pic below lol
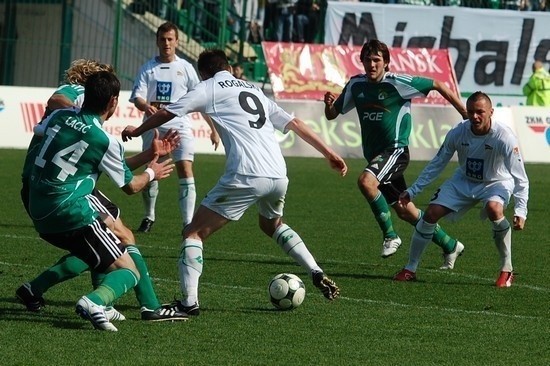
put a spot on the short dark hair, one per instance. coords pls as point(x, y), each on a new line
point(167, 27)
point(212, 61)
point(477, 96)
point(373, 47)
point(98, 91)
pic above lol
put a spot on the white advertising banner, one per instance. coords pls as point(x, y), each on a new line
point(492, 50)
point(22, 107)
point(533, 130)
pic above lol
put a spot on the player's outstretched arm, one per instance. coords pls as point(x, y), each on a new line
point(159, 146)
point(160, 117)
point(301, 129)
point(154, 171)
point(451, 97)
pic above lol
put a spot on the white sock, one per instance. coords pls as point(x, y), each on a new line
point(187, 198)
point(150, 195)
point(502, 234)
point(294, 246)
point(421, 237)
point(190, 269)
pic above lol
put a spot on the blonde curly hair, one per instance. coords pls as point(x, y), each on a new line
point(82, 68)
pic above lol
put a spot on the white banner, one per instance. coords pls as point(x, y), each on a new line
point(492, 50)
point(22, 107)
point(533, 130)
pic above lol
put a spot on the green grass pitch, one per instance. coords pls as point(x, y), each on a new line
point(446, 318)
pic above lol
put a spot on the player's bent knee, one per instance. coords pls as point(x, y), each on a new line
point(125, 261)
point(494, 210)
point(368, 185)
point(124, 234)
point(269, 226)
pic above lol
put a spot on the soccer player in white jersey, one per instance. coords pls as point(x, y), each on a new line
point(383, 103)
point(490, 171)
point(163, 80)
point(255, 170)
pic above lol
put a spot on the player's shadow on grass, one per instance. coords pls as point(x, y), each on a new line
point(283, 263)
point(68, 304)
point(360, 276)
point(66, 318)
point(150, 256)
point(266, 309)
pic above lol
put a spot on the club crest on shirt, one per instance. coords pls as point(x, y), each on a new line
point(164, 91)
point(474, 168)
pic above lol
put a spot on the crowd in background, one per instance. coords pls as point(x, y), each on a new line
point(285, 20)
point(257, 20)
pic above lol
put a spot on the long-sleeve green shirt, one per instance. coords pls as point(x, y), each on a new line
point(537, 89)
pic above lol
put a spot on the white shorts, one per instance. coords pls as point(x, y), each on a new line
point(232, 197)
point(186, 148)
point(461, 194)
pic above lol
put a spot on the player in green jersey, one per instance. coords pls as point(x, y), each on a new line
point(383, 101)
point(69, 94)
point(73, 153)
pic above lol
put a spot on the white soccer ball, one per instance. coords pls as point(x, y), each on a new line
point(286, 291)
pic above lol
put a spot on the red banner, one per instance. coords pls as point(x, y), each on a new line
point(307, 71)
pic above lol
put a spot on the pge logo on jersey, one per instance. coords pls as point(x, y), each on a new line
point(539, 124)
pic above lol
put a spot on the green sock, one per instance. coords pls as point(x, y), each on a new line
point(67, 267)
point(145, 293)
point(382, 214)
point(443, 240)
point(97, 278)
point(440, 237)
point(114, 285)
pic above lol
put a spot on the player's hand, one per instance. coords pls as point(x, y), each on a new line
point(163, 169)
point(215, 138)
point(519, 223)
point(329, 98)
point(169, 142)
point(150, 110)
point(404, 199)
point(338, 164)
point(128, 133)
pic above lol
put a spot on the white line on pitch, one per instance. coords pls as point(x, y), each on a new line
point(270, 256)
point(385, 303)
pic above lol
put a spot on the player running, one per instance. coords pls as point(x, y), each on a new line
point(383, 103)
point(255, 170)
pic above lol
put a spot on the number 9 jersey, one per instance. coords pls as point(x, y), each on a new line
point(246, 120)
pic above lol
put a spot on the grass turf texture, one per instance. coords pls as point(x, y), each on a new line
point(446, 318)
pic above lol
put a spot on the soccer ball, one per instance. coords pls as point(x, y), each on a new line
point(286, 291)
